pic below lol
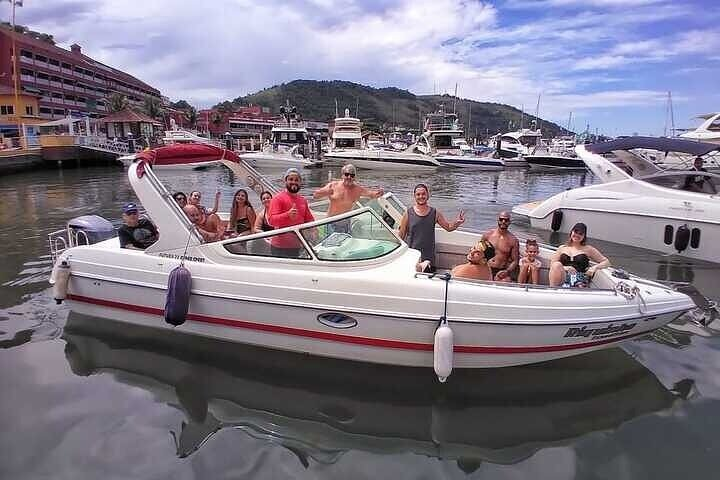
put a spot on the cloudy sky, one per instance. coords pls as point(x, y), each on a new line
point(610, 62)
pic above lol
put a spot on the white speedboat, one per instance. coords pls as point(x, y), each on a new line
point(512, 146)
point(639, 204)
point(289, 145)
point(553, 158)
point(347, 147)
point(353, 295)
point(708, 131)
point(443, 139)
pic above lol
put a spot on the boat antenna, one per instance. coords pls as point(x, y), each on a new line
point(569, 121)
point(336, 109)
point(669, 117)
point(455, 97)
point(537, 113)
point(522, 116)
point(357, 107)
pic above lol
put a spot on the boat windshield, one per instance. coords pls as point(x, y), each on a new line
point(359, 237)
point(699, 182)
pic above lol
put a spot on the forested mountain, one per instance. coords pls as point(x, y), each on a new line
point(384, 108)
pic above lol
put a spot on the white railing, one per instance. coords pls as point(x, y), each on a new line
point(103, 144)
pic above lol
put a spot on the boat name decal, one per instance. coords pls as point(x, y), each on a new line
point(181, 257)
point(609, 331)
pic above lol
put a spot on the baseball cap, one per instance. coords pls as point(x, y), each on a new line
point(129, 207)
point(290, 171)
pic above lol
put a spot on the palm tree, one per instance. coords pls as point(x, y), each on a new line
point(117, 102)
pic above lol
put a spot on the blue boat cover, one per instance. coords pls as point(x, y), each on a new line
point(661, 144)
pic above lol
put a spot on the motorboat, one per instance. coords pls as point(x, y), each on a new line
point(348, 147)
point(513, 146)
point(288, 146)
point(708, 131)
point(322, 410)
point(637, 202)
point(353, 295)
point(182, 156)
point(443, 139)
point(553, 158)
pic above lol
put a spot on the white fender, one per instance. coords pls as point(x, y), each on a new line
point(443, 351)
point(62, 278)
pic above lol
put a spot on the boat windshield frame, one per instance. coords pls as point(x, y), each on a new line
point(321, 242)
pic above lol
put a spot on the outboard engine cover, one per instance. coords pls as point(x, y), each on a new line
point(90, 229)
point(178, 295)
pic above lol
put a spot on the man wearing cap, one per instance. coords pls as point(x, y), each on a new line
point(286, 209)
point(136, 233)
point(345, 192)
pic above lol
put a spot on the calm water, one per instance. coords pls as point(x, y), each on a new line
point(87, 399)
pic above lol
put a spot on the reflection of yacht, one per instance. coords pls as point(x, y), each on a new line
point(708, 131)
point(289, 144)
point(675, 212)
point(323, 410)
point(346, 287)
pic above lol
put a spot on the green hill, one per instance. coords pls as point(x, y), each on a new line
point(383, 108)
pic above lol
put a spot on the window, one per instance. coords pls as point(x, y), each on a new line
point(29, 110)
point(59, 111)
point(359, 237)
point(282, 245)
point(7, 110)
point(52, 61)
point(26, 54)
point(45, 110)
point(25, 71)
point(41, 58)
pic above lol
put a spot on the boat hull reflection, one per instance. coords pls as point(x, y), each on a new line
point(320, 409)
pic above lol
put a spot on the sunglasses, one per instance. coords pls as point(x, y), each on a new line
point(349, 174)
point(504, 220)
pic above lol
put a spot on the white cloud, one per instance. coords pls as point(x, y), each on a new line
point(209, 53)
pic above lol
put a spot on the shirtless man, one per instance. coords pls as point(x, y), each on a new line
point(344, 193)
point(207, 225)
point(476, 267)
point(507, 249)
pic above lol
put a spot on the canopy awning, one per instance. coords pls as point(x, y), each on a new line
point(181, 153)
point(660, 144)
point(63, 121)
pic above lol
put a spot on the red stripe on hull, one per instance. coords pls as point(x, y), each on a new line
point(336, 337)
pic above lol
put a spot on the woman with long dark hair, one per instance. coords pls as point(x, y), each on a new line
point(242, 214)
point(570, 264)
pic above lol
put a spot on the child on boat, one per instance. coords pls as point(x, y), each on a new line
point(529, 264)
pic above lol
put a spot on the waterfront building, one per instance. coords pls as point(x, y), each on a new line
point(66, 82)
point(27, 112)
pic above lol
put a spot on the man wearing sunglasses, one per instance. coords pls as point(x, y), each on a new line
point(345, 192)
point(507, 249)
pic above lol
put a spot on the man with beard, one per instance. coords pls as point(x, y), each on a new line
point(507, 249)
point(136, 233)
point(286, 209)
point(417, 227)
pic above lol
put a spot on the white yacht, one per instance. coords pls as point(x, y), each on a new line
point(670, 211)
point(708, 131)
point(443, 138)
point(288, 146)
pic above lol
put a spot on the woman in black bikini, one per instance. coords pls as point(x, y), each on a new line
point(570, 264)
point(261, 223)
point(242, 215)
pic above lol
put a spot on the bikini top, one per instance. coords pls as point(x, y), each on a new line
point(580, 262)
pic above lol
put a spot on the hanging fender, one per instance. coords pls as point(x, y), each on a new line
point(177, 301)
point(557, 218)
point(443, 346)
point(62, 279)
point(682, 238)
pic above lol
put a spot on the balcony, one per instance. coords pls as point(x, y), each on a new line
point(56, 84)
point(42, 81)
point(26, 60)
point(27, 78)
point(67, 71)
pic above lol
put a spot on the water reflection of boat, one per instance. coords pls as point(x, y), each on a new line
point(321, 409)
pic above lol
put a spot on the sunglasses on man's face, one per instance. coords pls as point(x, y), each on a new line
point(349, 174)
point(504, 220)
